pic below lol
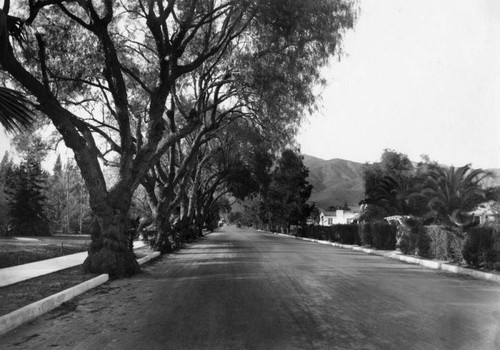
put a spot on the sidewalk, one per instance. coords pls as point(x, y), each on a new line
point(14, 274)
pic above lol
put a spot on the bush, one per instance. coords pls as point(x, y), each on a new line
point(380, 235)
point(415, 241)
point(365, 234)
point(482, 247)
point(325, 233)
point(446, 243)
point(348, 234)
point(384, 236)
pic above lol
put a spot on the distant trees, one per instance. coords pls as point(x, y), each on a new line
point(26, 187)
point(6, 167)
point(435, 193)
point(34, 202)
point(67, 206)
point(281, 200)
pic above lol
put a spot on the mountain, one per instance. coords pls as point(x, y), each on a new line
point(335, 181)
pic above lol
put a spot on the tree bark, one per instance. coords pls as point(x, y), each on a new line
point(108, 251)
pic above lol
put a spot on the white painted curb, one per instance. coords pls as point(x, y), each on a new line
point(148, 258)
point(436, 265)
point(33, 310)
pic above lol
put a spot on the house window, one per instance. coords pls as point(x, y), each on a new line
point(330, 221)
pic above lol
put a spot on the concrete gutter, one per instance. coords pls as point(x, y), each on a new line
point(431, 264)
point(33, 310)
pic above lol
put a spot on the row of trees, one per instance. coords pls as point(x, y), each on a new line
point(150, 87)
point(436, 194)
point(282, 197)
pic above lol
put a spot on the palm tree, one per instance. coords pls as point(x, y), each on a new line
point(398, 196)
point(14, 113)
point(453, 192)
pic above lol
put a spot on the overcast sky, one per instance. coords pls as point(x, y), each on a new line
point(418, 76)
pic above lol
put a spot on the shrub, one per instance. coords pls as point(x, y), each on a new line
point(482, 246)
point(348, 234)
point(365, 234)
point(446, 243)
point(415, 241)
point(383, 235)
point(380, 235)
point(325, 233)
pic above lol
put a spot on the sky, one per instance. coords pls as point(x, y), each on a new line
point(416, 76)
point(419, 77)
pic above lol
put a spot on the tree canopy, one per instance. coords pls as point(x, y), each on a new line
point(124, 82)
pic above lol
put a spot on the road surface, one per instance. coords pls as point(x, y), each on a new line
point(243, 289)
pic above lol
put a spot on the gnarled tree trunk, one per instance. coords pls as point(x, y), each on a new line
point(108, 252)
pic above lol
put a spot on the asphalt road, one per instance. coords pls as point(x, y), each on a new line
point(242, 289)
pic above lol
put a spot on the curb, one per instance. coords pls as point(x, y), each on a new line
point(147, 258)
point(33, 310)
point(435, 265)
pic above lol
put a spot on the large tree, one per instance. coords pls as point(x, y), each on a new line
point(27, 199)
point(106, 74)
point(453, 192)
point(289, 192)
point(391, 187)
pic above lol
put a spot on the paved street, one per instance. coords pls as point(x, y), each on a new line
point(242, 289)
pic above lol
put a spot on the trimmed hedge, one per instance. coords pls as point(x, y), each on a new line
point(433, 242)
point(324, 233)
point(482, 247)
point(446, 243)
point(379, 235)
point(479, 247)
point(348, 234)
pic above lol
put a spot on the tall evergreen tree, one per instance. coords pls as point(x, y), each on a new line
point(289, 192)
point(5, 170)
point(28, 200)
point(56, 197)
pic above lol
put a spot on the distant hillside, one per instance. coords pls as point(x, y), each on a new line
point(335, 181)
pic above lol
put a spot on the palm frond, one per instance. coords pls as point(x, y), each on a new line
point(14, 113)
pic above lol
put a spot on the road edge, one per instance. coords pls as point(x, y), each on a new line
point(31, 311)
point(431, 264)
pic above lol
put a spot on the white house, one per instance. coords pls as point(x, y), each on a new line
point(488, 212)
point(329, 218)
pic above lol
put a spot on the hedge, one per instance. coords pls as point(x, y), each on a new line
point(482, 247)
point(379, 235)
point(479, 247)
point(433, 242)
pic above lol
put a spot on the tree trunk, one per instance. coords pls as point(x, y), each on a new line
point(108, 252)
point(166, 240)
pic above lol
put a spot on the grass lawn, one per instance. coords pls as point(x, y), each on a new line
point(26, 292)
point(29, 249)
